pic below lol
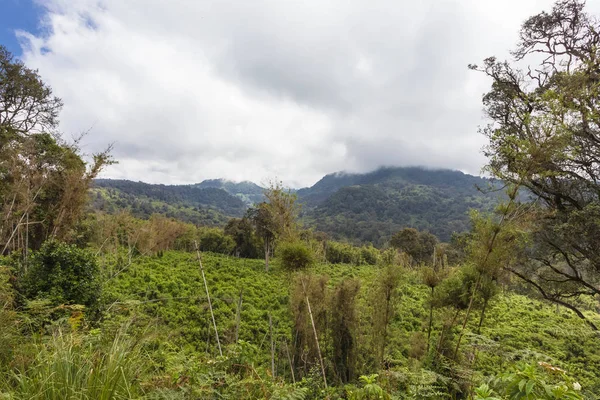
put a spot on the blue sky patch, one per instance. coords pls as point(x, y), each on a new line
point(18, 15)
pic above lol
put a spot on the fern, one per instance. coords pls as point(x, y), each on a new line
point(290, 394)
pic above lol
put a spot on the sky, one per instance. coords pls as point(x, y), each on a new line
point(188, 90)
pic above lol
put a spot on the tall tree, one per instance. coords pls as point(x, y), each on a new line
point(344, 320)
point(419, 245)
point(545, 135)
point(27, 104)
point(43, 180)
point(384, 300)
point(276, 218)
point(264, 224)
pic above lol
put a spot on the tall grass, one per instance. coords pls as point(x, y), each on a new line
point(70, 366)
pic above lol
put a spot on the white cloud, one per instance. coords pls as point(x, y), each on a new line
point(190, 90)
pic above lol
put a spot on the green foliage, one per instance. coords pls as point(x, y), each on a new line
point(543, 139)
point(295, 255)
point(8, 317)
point(214, 240)
point(77, 367)
point(368, 207)
point(370, 390)
point(181, 350)
point(344, 253)
point(531, 382)
point(344, 324)
point(64, 274)
point(175, 195)
point(246, 242)
point(419, 246)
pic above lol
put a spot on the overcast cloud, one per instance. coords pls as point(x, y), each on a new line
point(252, 89)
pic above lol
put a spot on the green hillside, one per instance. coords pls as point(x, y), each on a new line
point(200, 206)
point(249, 192)
point(360, 208)
point(371, 207)
point(516, 327)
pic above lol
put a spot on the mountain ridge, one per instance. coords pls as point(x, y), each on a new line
point(356, 207)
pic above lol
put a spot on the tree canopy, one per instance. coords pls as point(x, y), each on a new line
point(544, 136)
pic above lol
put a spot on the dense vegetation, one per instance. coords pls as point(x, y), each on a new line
point(361, 208)
point(112, 201)
point(102, 304)
point(249, 192)
point(370, 207)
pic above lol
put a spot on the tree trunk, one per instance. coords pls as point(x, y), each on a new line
point(442, 334)
point(485, 303)
point(212, 314)
point(386, 321)
point(430, 319)
point(312, 321)
point(238, 316)
point(462, 331)
point(287, 351)
point(272, 347)
point(267, 250)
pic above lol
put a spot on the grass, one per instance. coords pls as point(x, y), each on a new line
point(72, 366)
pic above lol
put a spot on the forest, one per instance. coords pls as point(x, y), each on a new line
point(402, 283)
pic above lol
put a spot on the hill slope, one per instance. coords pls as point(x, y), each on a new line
point(516, 327)
point(249, 192)
point(203, 206)
point(371, 207)
point(357, 207)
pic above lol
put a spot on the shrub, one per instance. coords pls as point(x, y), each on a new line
point(542, 381)
point(295, 255)
point(369, 255)
point(63, 274)
point(216, 241)
point(341, 253)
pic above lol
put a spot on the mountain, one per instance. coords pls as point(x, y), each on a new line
point(371, 207)
point(249, 192)
point(203, 206)
point(355, 207)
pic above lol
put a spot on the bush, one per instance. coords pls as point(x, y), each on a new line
point(63, 274)
point(216, 241)
point(542, 381)
point(369, 255)
point(341, 253)
point(295, 255)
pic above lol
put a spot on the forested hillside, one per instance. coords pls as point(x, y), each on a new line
point(249, 192)
point(371, 207)
point(199, 205)
point(362, 208)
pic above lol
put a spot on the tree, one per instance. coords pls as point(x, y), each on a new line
point(27, 104)
point(544, 135)
point(240, 229)
point(384, 301)
point(264, 225)
point(283, 207)
point(215, 240)
point(64, 274)
point(276, 218)
point(344, 320)
point(43, 180)
point(418, 245)
point(295, 255)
